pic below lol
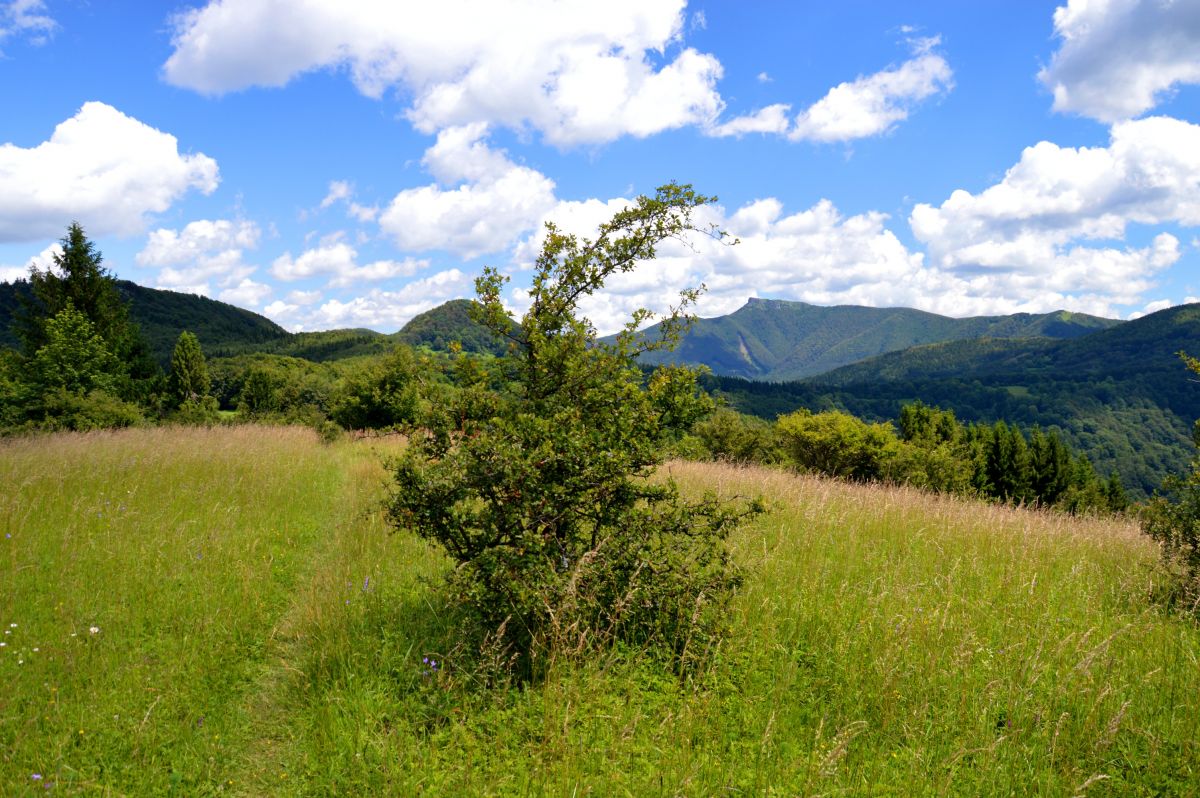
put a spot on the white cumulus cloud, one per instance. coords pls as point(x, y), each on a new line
point(499, 202)
point(1054, 197)
point(203, 251)
point(43, 261)
point(385, 310)
point(28, 19)
point(868, 106)
point(873, 104)
point(100, 167)
point(340, 261)
point(576, 71)
point(1120, 58)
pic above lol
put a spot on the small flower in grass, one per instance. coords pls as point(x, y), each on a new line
point(94, 630)
point(366, 584)
point(36, 776)
point(12, 626)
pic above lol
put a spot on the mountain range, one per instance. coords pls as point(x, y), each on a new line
point(1116, 390)
point(777, 340)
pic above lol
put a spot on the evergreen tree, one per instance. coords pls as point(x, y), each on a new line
point(77, 279)
point(74, 358)
point(1050, 466)
point(1007, 463)
point(189, 381)
point(1114, 494)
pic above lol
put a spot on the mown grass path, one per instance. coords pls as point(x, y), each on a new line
point(144, 577)
point(260, 633)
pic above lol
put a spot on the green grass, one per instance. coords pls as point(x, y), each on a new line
point(262, 634)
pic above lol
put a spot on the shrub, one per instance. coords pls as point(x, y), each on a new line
point(837, 444)
point(737, 438)
point(543, 489)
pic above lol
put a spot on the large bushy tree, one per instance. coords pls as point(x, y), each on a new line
point(542, 487)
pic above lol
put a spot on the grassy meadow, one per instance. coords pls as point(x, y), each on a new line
point(200, 612)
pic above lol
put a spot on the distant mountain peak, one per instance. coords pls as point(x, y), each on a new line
point(779, 339)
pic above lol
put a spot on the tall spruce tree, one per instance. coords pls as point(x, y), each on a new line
point(77, 278)
point(189, 380)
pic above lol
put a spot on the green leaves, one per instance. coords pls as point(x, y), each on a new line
point(74, 356)
point(541, 484)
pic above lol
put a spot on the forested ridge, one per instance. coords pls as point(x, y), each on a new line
point(1120, 394)
point(778, 340)
point(1114, 391)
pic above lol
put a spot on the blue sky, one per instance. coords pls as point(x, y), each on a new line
point(344, 163)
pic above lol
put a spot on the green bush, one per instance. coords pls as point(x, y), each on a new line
point(838, 444)
point(737, 438)
point(541, 486)
point(382, 395)
point(60, 409)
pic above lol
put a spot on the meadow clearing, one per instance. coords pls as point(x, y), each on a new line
point(224, 611)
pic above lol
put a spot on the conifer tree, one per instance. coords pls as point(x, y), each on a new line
point(78, 279)
point(189, 380)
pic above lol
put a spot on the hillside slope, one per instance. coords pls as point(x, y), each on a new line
point(163, 315)
point(1120, 395)
point(450, 322)
point(770, 339)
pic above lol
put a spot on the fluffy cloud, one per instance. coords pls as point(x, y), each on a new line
point(341, 191)
point(874, 104)
point(379, 310)
point(101, 167)
point(203, 251)
point(820, 256)
point(501, 202)
point(246, 293)
point(26, 18)
point(576, 71)
point(771, 119)
point(1120, 57)
point(868, 106)
point(340, 261)
point(1029, 224)
point(42, 261)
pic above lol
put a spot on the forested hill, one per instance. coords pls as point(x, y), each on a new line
point(1121, 395)
point(770, 339)
point(449, 322)
point(162, 315)
point(225, 330)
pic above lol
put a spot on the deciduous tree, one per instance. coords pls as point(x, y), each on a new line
point(544, 492)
